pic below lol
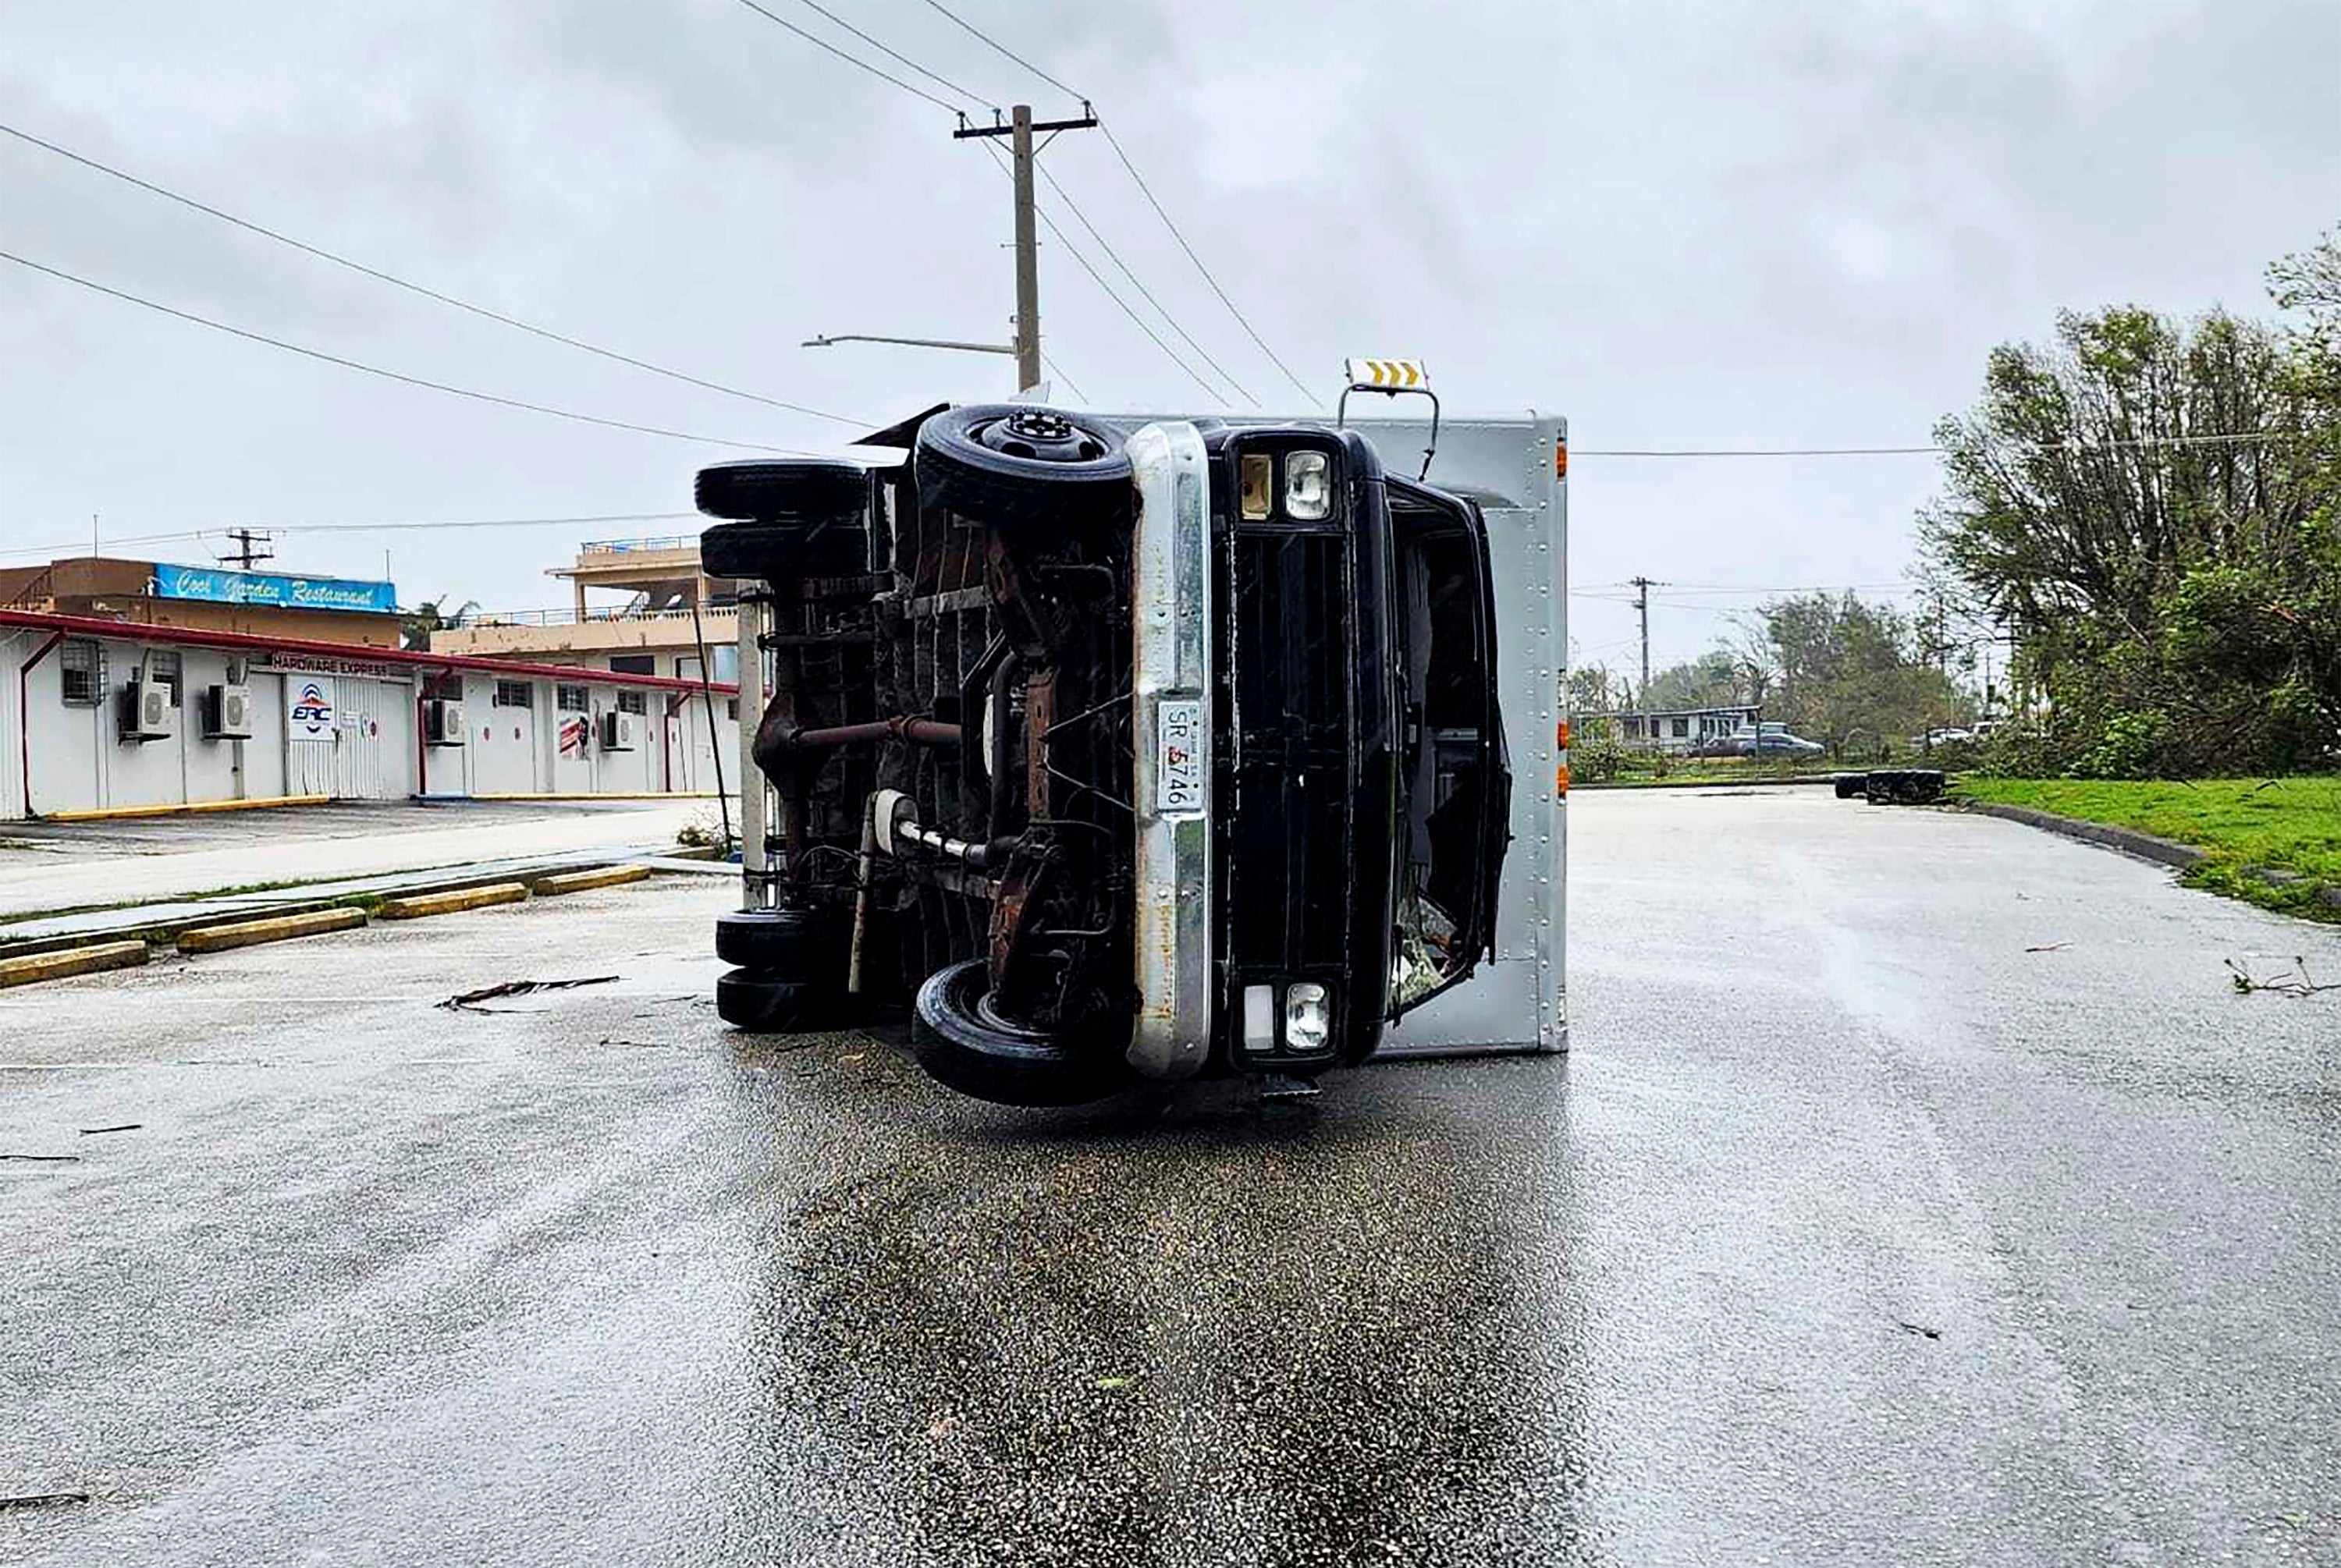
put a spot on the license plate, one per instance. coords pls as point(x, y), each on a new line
point(1179, 755)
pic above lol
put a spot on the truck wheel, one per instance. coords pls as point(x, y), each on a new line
point(1848, 784)
point(761, 489)
point(966, 1045)
point(770, 1005)
point(1008, 463)
point(784, 944)
point(779, 551)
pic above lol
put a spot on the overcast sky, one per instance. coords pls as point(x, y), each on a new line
point(1681, 224)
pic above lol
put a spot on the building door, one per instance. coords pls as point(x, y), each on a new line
point(310, 709)
point(374, 737)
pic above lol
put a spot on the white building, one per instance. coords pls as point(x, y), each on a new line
point(97, 714)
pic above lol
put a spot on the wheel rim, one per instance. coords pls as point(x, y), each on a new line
point(1039, 435)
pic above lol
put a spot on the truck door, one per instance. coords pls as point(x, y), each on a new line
point(1456, 777)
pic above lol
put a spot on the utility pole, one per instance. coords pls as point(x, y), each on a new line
point(1019, 129)
point(1642, 606)
point(245, 557)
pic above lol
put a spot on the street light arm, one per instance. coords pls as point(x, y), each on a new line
point(822, 343)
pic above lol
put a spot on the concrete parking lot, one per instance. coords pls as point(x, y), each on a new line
point(1918, 1190)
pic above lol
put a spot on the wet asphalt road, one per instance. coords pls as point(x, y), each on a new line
point(1852, 1232)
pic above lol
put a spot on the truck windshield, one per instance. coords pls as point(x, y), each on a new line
point(1455, 777)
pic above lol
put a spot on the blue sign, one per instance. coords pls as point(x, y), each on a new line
point(223, 587)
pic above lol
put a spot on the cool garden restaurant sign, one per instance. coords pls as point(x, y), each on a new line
point(221, 587)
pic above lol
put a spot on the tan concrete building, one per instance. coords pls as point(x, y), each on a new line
point(651, 632)
point(207, 598)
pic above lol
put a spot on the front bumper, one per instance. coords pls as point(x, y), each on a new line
point(1170, 699)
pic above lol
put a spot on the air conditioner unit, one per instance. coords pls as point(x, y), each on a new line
point(147, 712)
point(617, 731)
point(443, 721)
point(228, 713)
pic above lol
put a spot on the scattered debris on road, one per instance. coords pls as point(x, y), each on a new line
point(45, 1159)
point(2049, 948)
point(42, 1499)
point(469, 1001)
point(2296, 984)
point(120, 1127)
point(1907, 1326)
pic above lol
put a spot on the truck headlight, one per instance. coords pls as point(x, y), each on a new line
point(1308, 486)
point(1307, 1017)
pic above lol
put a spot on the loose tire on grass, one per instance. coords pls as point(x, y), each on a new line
point(796, 944)
point(966, 1045)
point(1012, 464)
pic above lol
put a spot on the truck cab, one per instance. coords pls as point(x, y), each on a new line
point(1119, 748)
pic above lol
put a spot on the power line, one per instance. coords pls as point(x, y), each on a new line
point(859, 63)
point(319, 355)
point(1144, 189)
point(1001, 48)
point(899, 58)
point(1069, 385)
point(1074, 250)
point(2143, 442)
point(400, 526)
point(1072, 207)
point(1259, 342)
point(430, 293)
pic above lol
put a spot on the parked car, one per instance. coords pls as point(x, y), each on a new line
point(1949, 735)
point(1772, 741)
point(1119, 750)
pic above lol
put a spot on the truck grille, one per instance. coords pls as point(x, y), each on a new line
point(1288, 871)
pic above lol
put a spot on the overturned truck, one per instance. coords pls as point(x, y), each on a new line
point(1126, 748)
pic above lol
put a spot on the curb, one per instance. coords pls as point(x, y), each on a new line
point(422, 904)
point(2129, 840)
point(57, 965)
point(274, 928)
point(585, 881)
point(185, 808)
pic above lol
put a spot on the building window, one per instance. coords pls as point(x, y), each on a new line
point(515, 694)
point(571, 699)
point(447, 687)
point(633, 664)
point(1682, 729)
point(633, 702)
point(81, 673)
point(162, 667)
point(731, 709)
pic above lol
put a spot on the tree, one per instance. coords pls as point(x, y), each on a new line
point(416, 625)
point(2152, 505)
point(1852, 675)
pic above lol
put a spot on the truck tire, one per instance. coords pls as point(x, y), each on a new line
point(807, 945)
point(782, 551)
point(966, 1045)
point(1006, 464)
point(765, 490)
point(1850, 785)
point(765, 1004)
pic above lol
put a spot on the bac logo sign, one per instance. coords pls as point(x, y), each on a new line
point(312, 709)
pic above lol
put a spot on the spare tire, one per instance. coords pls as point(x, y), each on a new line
point(794, 944)
point(1848, 784)
point(768, 1004)
point(1009, 463)
point(782, 551)
point(763, 490)
point(964, 1044)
